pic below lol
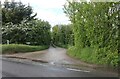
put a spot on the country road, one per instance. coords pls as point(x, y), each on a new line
point(12, 67)
point(55, 56)
point(26, 68)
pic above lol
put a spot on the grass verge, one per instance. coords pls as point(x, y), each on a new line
point(15, 48)
point(94, 56)
point(66, 46)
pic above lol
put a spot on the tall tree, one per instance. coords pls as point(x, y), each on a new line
point(36, 32)
point(16, 12)
point(62, 35)
point(95, 26)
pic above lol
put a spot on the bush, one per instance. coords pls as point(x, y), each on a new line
point(15, 48)
point(96, 31)
point(72, 51)
point(92, 55)
point(36, 32)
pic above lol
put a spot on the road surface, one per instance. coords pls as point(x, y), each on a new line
point(54, 55)
point(26, 68)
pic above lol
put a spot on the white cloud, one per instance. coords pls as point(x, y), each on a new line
point(52, 17)
point(49, 10)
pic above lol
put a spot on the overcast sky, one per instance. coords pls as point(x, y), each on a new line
point(48, 10)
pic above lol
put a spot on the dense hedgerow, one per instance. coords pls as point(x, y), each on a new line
point(20, 48)
point(96, 29)
point(62, 35)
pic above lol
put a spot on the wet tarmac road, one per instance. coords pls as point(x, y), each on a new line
point(14, 68)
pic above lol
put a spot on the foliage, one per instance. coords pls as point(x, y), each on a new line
point(95, 31)
point(16, 12)
point(62, 35)
point(15, 48)
point(20, 26)
point(36, 32)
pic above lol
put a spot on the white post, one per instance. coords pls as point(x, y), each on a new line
point(7, 41)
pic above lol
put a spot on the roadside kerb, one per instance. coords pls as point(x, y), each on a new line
point(32, 59)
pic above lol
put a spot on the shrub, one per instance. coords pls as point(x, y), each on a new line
point(15, 48)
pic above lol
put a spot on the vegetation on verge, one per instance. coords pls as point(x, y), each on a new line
point(21, 27)
point(21, 31)
point(96, 29)
point(20, 48)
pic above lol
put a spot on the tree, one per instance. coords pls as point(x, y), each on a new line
point(21, 27)
point(95, 26)
point(62, 35)
point(39, 33)
point(55, 34)
point(16, 12)
point(36, 32)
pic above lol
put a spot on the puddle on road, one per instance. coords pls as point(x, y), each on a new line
point(52, 63)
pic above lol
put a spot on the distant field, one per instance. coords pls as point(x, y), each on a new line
point(15, 48)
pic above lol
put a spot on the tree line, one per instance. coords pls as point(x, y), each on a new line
point(62, 35)
point(20, 26)
point(96, 30)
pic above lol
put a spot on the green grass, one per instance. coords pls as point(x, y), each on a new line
point(94, 56)
point(63, 46)
point(15, 48)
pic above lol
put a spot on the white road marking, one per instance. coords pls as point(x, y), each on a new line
point(38, 64)
point(78, 70)
point(52, 63)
